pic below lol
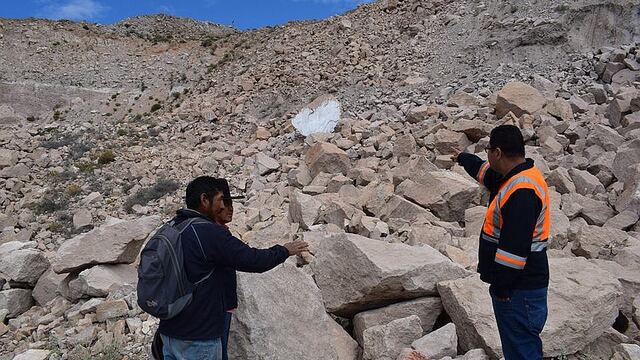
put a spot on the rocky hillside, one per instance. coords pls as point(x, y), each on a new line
point(103, 126)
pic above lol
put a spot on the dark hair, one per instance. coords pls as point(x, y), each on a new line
point(509, 139)
point(201, 185)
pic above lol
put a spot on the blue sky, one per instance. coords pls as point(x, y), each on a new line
point(242, 14)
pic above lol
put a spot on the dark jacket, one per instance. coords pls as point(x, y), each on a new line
point(203, 319)
point(519, 216)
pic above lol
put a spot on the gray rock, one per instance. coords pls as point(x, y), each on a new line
point(518, 98)
point(99, 280)
point(82, 218)
point(595, 242)
point(627, 352)
point(24, 266)
point(111, 309)
point(328, 158)
point(285, 295)
point(8, 158)
point(561, 180)
point(355, 273)
point(404, 146)
point(439, 343)
point(303, 209)
point(117, 243)
point(46, 288)
point(33, 354)
point(585, 183)
point(15, 301)
point(473, 220)
point(266, 164)
point(449, 196)
point(385, 342)
point(623, 221)
point(575, 322)
point(427, 309)
point(16, 171)
point(627, 155)
point(595, 212)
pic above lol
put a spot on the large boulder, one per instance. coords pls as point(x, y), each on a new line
point(355, 273)
point(627, 155)
point(99, 280)
point(328, 158)
point(266, 164)
point(8, 158)
point(573, 322)
point(15, 301)
point(385, 342)
point(46, 288)
point(518, 98)
point(439, 343)
point(281, 316)
point(303, 209)
point(427, 309)
point(115, 243)
point(595, 242)
point(24, 266)
point(449, 194)
point(595, 212)
point(33, 354)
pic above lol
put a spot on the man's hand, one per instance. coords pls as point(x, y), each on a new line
point(296, 247)
point(455, 155)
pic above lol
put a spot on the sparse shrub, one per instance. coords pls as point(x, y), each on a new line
point(122, 132)
point(51, 202)
point(156, 107)
point(73, 189)
point(86, 166)
point(114, 96)
point(106, 157)
point(56, 115)
point(158, 190)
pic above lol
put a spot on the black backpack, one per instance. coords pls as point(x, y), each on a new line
point(163, 288)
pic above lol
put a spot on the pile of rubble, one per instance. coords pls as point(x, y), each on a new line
point(393, 223)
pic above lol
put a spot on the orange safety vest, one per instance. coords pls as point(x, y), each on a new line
point(527, 179)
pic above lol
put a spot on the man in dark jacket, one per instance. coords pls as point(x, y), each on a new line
point(512, 252)
point(196, 332)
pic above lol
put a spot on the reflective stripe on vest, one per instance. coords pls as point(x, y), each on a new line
point(528, 179)
point(483, 170)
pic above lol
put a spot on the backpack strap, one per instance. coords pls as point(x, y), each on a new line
point(189, 224)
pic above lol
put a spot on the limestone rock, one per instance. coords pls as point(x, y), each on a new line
point(427, 309)
point(627, 352)
point(98, 280)
point(46, 288)
point(33, 354)
point(111, 309)
point(24, 266)
point(8, 158)
point(561, 180)
point(627, 155)
point(449, 193)
point(266, 164)
point(385, 342)
point(575, 322)
point(328, 158)
point(82, 218)
point(595, 242)
point(405, 145)
point(261, 296)
point(439, 343)
point(15, 301)
point(355, 273)
point(473, 220)
point(447, 141)
point(421, 113)
point(561, 109)
point(518, 98)
point(303, 209)
point(595, 212)
point(117, 243)
point(585, 183)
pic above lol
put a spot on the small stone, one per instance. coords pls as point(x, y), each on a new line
point(266, 164)
point(111, 310)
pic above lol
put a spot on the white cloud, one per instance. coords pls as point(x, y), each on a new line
point(75, 10)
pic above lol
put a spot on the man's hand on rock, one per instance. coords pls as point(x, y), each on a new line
point(296, 247)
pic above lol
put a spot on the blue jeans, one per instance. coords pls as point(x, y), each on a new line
point(225, 335)
point(520, 322)
point(174, 349)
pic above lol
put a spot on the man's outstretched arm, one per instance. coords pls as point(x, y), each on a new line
point(477, 168)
